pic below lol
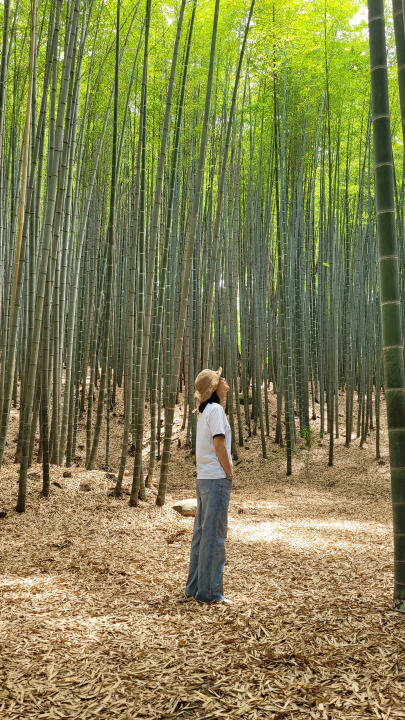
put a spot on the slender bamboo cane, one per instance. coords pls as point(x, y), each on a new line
point(110, 255)
point(47, 251)
point(185, 284)
point(151, 268)
point(221, 185)
point(163, 284)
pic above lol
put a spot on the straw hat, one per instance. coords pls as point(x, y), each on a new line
point(205, 383)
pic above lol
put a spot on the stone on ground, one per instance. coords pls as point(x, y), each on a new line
point(187, 507)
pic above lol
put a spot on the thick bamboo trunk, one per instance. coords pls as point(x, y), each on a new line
point(389, 286)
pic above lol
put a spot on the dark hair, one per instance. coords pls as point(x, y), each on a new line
point(213, 399)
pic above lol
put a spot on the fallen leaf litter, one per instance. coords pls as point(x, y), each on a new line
point(94, 623)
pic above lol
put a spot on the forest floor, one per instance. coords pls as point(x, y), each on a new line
point(93, 621)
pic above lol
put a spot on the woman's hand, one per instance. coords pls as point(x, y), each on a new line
point(222, 455)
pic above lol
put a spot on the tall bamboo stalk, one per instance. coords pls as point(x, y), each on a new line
point(389, 286)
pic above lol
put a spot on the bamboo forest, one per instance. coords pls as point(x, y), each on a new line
point(201, 204)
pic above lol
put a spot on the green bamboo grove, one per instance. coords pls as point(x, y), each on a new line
point(193, 184)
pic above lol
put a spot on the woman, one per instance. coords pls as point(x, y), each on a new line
point(214, 484)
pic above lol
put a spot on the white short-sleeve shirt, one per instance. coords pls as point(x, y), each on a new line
point(211, 422)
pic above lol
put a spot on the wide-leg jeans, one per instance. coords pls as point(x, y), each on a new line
point(208, 555)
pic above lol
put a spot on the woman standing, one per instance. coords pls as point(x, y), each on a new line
point(214, 484)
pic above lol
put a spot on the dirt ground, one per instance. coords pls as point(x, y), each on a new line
point(92, 618)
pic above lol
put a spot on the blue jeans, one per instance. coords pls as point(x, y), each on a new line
point(207, 557)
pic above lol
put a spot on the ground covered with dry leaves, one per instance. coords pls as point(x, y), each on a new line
point(93, 622)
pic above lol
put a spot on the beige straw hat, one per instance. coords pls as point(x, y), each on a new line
point(205, 383)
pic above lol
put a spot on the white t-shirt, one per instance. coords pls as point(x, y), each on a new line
point(211, 422)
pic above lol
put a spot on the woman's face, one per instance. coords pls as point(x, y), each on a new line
point(223, 388)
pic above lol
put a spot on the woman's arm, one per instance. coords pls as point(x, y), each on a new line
point(222, 455)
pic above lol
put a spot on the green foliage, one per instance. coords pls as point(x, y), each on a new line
point(310, 41)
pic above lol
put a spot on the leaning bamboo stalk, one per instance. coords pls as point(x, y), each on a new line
point(3, 74)
point(163, 285)
point(130, 322)
point(25, 156)
point(221, 185)
point(185, 284)
point(110, 255)
point(21, 241)
point(75, 287)
point(151, 265)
